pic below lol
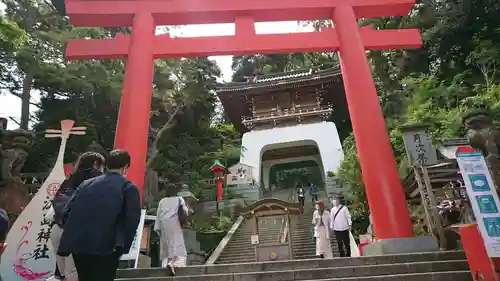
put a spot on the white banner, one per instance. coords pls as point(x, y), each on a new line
point(29, 254)
point(135, 249)
point(483, 197)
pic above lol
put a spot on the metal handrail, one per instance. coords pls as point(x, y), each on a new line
point(285, 224)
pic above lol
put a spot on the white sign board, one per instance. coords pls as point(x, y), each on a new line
point(483, 198)
point(29, 254)
point(239, 174)
point(135, 249)
point(254, 239)
point(419, 148)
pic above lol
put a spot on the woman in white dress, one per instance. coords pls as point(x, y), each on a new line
point(321, 222)
point(169, 229)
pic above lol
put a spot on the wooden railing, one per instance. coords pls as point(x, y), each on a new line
point(287, 114)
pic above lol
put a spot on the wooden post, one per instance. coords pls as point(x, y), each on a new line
point(433, 203)
point(424, 201)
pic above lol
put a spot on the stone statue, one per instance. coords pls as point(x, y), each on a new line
point(483, 136)
point(13, 153)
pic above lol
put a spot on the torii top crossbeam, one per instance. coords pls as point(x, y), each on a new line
point(119, 13)
point(384, 191)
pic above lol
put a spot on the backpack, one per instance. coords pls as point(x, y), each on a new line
point(59, 203)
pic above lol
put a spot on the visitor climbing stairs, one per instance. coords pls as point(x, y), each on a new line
point(437, 266)
point(301, 232)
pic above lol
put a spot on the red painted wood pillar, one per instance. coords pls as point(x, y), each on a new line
point(133, 118)
point(384, 192)
point(481, 266)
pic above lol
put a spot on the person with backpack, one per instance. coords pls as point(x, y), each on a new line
point(313, 192)
point(100, 221)
point(89, 165)
point(4, 229)
point(170, 218)
point(341, 225)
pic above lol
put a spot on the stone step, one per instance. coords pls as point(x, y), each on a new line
point(247, 243)
point(462, 275)
point(240, 249)
point(298, 264)
point(237, 254)
point(306, 257)
point(235, 260)
point(319, 273)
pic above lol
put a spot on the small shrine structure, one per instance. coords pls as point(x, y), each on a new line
point(269, 247)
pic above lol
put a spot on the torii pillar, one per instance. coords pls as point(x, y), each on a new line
point(133, 118)
point(373, 145)
point(385, 194)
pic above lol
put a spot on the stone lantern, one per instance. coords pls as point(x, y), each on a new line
point(189, 197)
point(220, 172)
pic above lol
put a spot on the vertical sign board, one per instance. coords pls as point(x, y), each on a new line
point(418, 145)
point(483, 198)
point(135, 249)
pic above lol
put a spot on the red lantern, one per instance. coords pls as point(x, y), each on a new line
point(220, 172)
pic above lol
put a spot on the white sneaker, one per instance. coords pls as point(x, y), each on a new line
point(52, 278)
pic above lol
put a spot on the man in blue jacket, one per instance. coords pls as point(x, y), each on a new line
point(100, 221)
point(4, 228)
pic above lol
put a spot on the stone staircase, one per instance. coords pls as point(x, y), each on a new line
point(301, 232)
point(437, 266)
point(239, 249)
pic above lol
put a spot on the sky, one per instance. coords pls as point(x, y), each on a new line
point(10, 106)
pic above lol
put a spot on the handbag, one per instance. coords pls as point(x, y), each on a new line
point(181, 214)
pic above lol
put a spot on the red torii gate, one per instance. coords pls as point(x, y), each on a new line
point(384, 191)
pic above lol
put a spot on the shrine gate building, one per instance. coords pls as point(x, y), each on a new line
point(288, 118)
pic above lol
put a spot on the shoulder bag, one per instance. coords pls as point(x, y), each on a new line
point(181, 214)
point(336, 213)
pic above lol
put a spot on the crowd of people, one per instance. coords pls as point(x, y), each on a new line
point(95, 216)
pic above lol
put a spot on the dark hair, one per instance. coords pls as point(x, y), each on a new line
point(84, 170)
point(171, 190)
point(4, 224)
point(88, 159)
point(118, 159)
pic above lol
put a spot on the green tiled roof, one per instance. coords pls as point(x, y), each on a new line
point(277, 79)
